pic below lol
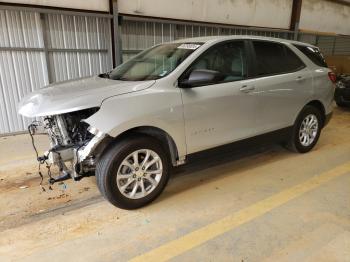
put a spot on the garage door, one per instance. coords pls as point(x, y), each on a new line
point(36, 49)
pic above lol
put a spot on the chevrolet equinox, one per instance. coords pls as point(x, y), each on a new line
point(130, 125)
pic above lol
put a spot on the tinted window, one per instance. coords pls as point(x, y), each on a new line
point(293, 62)
point(229, 59)
point(313, 54)
point(274, 58)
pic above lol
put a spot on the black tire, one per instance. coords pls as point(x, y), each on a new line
point(294, 144)
point(109, 162)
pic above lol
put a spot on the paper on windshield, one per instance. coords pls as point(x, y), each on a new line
point(188, 46)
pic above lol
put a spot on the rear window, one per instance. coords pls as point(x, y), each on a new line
point(313, 54)
point(275, 58)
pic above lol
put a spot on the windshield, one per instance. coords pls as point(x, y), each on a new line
point(154, 63)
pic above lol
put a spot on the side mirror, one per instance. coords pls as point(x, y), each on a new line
point(200, 77)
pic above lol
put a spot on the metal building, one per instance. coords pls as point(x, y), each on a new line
point(39, 46)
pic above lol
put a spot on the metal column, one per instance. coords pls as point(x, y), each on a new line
point(116, 32)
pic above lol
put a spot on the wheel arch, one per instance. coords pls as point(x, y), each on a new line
point(162, 136)
point(318, 104)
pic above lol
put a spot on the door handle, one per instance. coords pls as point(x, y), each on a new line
point(299, 78)
point(247, 88)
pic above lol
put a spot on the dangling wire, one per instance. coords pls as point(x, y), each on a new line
point(41, 160)
point(31, 130)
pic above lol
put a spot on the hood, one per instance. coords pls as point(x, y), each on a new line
point(74, 95)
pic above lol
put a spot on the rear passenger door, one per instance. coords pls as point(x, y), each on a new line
point(282, 85)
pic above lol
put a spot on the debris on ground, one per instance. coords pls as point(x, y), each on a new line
point(63, 185)
point(23, 187)
point(85, 189)
point(58, 197)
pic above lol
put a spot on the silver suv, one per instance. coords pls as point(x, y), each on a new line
point(130, 125)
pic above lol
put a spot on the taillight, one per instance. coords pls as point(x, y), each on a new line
point(332, 77)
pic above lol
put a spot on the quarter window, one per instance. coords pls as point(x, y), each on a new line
point(273, 58)
point(292, 62)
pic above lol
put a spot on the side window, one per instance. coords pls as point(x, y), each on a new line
point(269, 58)
point(313, 54)
point(228, 59)
point(274, 58)
point(293, 62)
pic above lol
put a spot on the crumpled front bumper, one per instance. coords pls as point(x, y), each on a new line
point(82, 157)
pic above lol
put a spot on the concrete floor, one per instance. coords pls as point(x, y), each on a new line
point(266, 204)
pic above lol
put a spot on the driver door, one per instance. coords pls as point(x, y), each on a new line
point(222, 111)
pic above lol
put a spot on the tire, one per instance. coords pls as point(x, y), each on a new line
point(296, 142)
point(111, 166)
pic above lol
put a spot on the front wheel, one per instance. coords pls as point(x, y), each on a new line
point(133, 172)
point(306, 130)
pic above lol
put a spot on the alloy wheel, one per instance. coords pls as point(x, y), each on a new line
point(308, 130)
point(139, 173)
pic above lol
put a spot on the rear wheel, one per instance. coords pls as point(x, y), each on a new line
point(133, 172)
point(306, 130)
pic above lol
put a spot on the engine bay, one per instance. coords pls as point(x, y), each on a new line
point(69, 135)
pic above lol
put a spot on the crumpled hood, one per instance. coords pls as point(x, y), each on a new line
point(74, 95)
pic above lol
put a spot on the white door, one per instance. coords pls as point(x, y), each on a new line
point(222, 111)
point(282, 87)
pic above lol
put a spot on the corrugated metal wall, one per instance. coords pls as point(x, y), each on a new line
point(141, 33)
point(21, 71)
point(329, 45)
point(76, 46)
point(342, 45)
point(326, 44)
point(36, 49)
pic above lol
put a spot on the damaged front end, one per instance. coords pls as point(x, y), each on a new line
point(63, 108)
point(74, 145)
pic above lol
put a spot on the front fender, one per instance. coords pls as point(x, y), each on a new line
point(156, 108)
